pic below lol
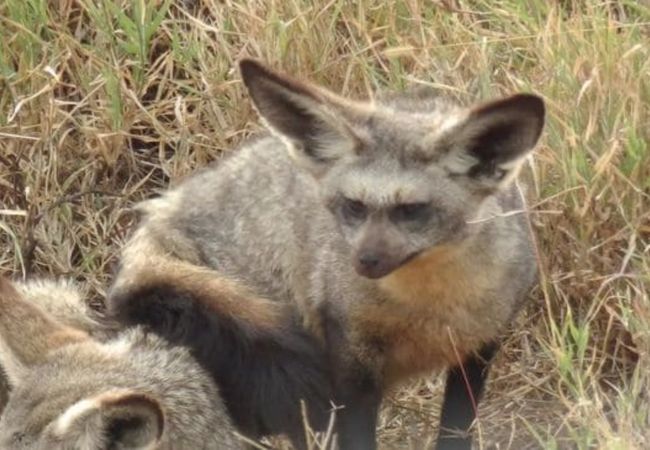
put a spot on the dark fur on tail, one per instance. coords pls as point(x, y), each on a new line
point(263, 373)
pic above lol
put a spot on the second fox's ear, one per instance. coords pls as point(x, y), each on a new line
point(490, 144)
point(118, 418)
point(304, 116)
point(27, 333)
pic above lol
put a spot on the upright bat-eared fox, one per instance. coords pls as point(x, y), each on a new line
point(357, 245)
point(78, 386)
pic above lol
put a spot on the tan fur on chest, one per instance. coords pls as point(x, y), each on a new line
point(433, 315)
point(438, 281)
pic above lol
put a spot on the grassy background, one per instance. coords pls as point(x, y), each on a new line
point(102, 103)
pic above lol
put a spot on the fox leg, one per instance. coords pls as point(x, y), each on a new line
point(356, 391)
point(462, 392)
point(357, 420)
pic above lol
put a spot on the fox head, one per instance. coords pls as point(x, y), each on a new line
point(71, 391)
point(400, 176)
point(51, 405)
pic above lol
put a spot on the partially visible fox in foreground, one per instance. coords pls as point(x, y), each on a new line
point(71, 391)
point(392, 231)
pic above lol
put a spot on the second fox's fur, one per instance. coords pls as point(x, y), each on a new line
point(387, 229)
point(73, 391)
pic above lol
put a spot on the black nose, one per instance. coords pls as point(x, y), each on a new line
point(369, 260)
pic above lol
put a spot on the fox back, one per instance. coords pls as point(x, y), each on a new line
point(71, 391)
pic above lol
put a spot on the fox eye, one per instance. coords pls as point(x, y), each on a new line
point(411, 212)
point(354, 210)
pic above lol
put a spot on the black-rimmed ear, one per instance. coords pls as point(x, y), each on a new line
point(27, 333)
point(307, 118)
point(490, 144)
point(119, 418)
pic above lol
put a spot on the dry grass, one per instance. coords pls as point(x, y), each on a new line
point(104, 102)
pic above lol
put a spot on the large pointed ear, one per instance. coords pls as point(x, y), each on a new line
point(27, 334)
point(489, 146)
point(119, 418)
point(309, 119)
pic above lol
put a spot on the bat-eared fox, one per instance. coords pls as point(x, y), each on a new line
point(355, 246)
